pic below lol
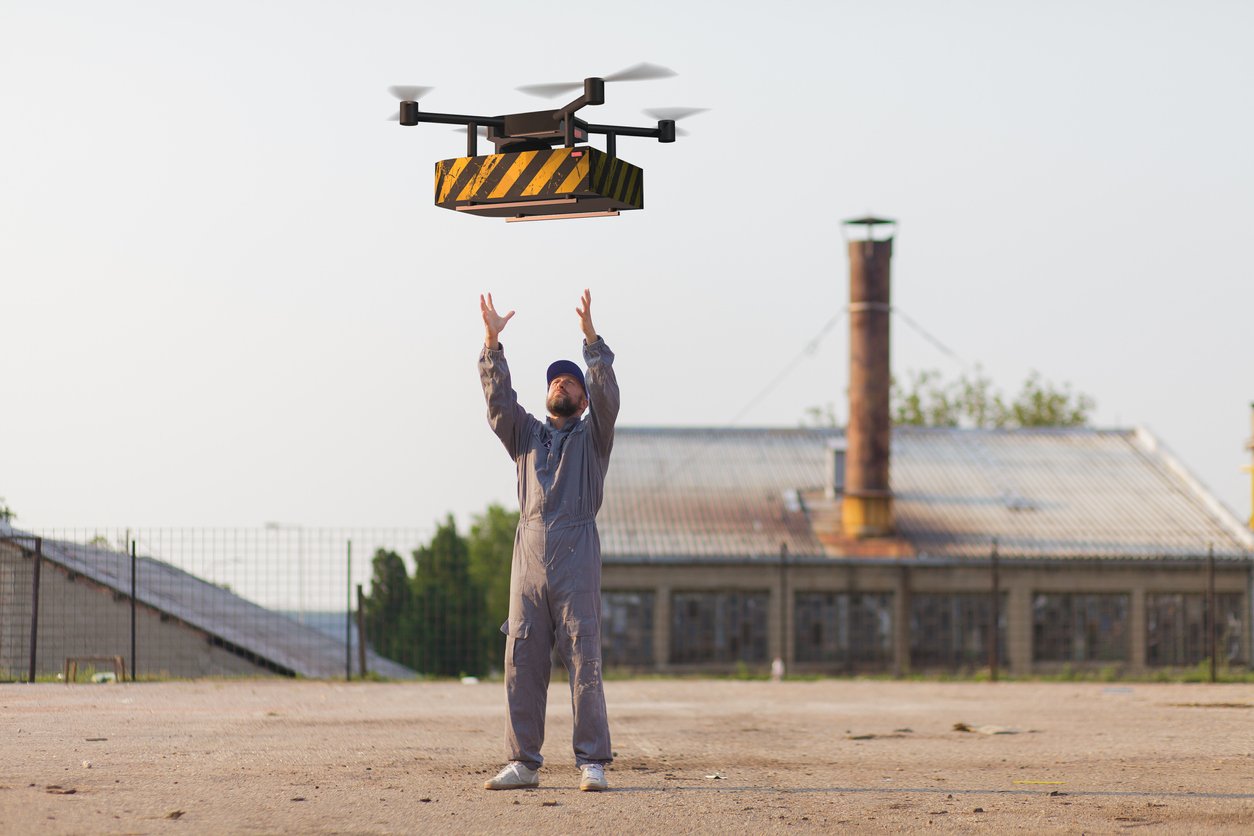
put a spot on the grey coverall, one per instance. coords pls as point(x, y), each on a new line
point(555, 577)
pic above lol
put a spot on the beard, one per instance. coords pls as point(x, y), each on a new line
point(562, 406)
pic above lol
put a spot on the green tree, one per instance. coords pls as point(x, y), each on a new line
point(448, 607)
point(821, 416)
point(446, 618)
point(924, 403)
point(973, 401)
point(1041, 405)
point(7, 514)
point(388, 610)
point(491, 547)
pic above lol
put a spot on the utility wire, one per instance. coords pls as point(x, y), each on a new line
point(944, 349)
point(808, 350)
point(813, 345)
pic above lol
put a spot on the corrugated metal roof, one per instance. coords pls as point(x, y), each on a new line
point(697, 492)
point(268, 635)
point(1042, 493)
point(1053, 494)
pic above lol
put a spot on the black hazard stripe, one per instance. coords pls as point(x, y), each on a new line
point(494, 178)
point(616, 184)
point(605, 174)
point(529, 173)
point(469, 171)
point(440, 171)
point(637, 177)
point(564, 170)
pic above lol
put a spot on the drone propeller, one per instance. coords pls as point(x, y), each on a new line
point(548, 91)
point(638, 72)
point(406, 93)
point(409, 92)
point(641, 72)
point(674, 114)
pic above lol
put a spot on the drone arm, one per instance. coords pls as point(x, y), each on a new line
point(412, 116)
point(593, 94)
point(664, 132)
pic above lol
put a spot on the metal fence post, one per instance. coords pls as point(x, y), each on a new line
point(34, 605)
point(134, 576)
point(348, 616)
point(361, 631)
point(1210, 608)
point(783, 603)
point(994, 639)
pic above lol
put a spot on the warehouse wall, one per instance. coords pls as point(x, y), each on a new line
point(78, 617)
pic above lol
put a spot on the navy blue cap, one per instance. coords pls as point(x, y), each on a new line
point(566, 367)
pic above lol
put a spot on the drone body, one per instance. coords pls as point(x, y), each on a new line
point(538, 171)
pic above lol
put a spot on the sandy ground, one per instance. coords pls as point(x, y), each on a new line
point(692, 756)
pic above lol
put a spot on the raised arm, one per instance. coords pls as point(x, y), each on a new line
point(601, 381)
point(493, 323)
point(584, 310)
point(508, 419)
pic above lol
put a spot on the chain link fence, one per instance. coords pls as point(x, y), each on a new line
point(287, 600)
point(175, 602)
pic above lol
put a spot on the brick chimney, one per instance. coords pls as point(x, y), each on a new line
point(867, 504)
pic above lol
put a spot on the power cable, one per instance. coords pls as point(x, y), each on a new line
point(944, 349)
point(809, 349)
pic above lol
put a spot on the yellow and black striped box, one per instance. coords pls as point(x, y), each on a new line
point(558, 181)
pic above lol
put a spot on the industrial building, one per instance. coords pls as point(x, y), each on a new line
point(875, 548)
point(725, 546)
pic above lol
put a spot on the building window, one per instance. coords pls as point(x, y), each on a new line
point(1175, 629)
point(951, 631)
point(853, 630)
point(1080, 628)
point(627, 628)
point(722, 626)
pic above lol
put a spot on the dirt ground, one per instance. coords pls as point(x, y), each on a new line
point(693, 756)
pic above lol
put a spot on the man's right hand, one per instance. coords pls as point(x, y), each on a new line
point(493, 323)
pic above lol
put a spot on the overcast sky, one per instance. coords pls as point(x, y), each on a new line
point(228, 298)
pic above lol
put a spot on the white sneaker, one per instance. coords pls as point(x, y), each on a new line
point(593, 778)
point(515, 776)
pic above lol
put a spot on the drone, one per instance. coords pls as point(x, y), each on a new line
point(538, 171)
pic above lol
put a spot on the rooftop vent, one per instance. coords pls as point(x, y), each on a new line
point(834, 483)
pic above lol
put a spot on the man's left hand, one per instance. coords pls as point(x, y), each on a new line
point(585, 317)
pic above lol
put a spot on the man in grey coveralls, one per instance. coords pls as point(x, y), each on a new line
point(555, 578)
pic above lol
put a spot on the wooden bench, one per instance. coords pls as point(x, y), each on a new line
point(71, 666)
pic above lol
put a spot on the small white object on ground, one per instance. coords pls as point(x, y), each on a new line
point(996, 730)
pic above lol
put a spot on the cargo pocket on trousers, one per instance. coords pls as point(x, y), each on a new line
point(516, 643)
point(585, 638)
